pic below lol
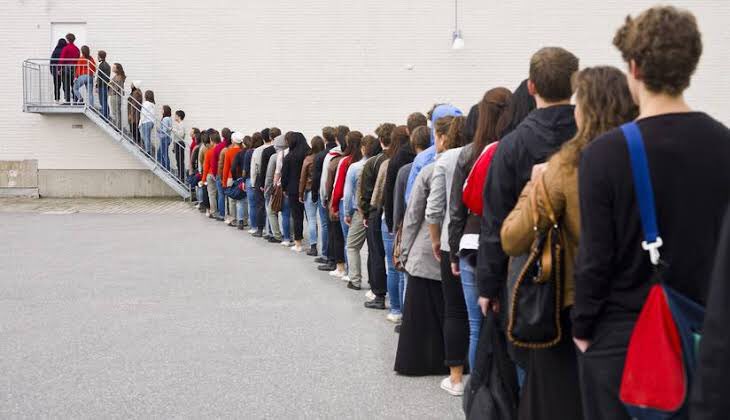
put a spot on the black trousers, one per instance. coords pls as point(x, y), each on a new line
point(376, 255)
point(297, 214)
point(57, 76)
point(134, 131)
point(68, 81)
point(600, 370)
point(179, 150)
point(260, 210)
point(335, 242)
point(456, 318)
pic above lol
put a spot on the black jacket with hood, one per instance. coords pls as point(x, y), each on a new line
point(403, 157)
point(291, 169)
point(539, 136)
point(317, 169)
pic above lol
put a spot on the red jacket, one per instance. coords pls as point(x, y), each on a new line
point(214, 160)
point(71, 53)
point(84, 67)
point(338, 191)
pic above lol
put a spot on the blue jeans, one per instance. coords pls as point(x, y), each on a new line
point(87, 81)
point(471, 297)
point(345, 228)
point(145, 130)
point(310, 208)
point(163, 152)
point(286, 219)
point(240, 206)
point(251, 193)
point(104, 99)
point(324, 223)
point(199, 194)
point(394, 277)
point(221, 197)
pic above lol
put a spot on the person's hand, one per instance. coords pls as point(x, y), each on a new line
point(455, 269)
point(229, 183)
point(200, 184)
point(582, 344)
point(365, 222)
point(301, 200)
point(537, 171)
point(436, 249)
point(262, 189)
point(348, 220)
point(486, 303)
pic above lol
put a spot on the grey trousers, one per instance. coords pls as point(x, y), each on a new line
point(355, 240)
point(212, 194)
point(272, 219)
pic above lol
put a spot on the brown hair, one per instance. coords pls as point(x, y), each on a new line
point(329, 134)
point(666, 44)
point(149, 96)
point(101, 54)
point(604, 101)
point(85, 52)
point(398, 138)
point(341, 134)
point(317, 145)
point(416, 120)
point(247, 142)
point(551, 69)
point(494, 119)
point(353, 139)
point(441, 127)
point(383, 132)
point(215, 137)
point(166, 111)
point(120, 71)
point(226, 134)
point(257, 139)
point(370, 144)
point(420, 138)
point(274, 132)
point(456, 137)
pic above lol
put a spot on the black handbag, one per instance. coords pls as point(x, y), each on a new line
point(237, 191)
point(535, 300)
point(492, 392)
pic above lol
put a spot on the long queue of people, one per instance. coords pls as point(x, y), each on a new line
point(521, 217)
point(86, 80)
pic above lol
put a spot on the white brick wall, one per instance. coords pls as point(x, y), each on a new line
point(300, 65)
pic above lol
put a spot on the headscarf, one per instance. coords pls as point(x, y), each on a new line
point(443, 110)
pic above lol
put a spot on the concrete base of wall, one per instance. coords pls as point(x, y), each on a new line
point(106, 183)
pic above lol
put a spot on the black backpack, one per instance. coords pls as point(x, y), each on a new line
point(492, 390)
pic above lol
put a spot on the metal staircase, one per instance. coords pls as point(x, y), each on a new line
point(39, 76)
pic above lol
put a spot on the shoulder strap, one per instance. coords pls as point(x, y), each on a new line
point(644, 191)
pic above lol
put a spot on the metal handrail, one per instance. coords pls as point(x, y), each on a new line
point(38, 85)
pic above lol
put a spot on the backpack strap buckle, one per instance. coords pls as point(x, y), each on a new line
point(653, 248)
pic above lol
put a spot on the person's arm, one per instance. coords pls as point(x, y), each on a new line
point(350, 181)
point(415, 170)
point(458, 212)
point(304, 175)
point(436, 208)
point(388, 195)
point(597, 245)
point(414, 216)
point(498, 202)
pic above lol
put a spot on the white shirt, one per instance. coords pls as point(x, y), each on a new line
point(147, 114)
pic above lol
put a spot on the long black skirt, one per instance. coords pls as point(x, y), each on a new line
point(421, 342)
point(552, 387)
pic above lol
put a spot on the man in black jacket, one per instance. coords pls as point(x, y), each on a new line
point(531, 143)
point(377, 276)
point(261, 218)
point(102, 82)
point(328, 134)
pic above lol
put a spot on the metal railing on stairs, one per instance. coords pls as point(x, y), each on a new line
point(71, 86)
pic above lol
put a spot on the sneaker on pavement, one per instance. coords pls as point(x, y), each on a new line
point(257, 234)
point(312, 252)
point(369, 295)
point(252, 231)
point(296, 248)
point(285, 242)
point(326, 267)
point(394, 318)
point(353, 286)
point(346, 278)
point(377, 303)
point(456, 390)
point(321, 260)
point(274, 240)
point(337, 273)
point(397, 329)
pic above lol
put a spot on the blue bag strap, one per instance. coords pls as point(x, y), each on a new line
point(644, 191)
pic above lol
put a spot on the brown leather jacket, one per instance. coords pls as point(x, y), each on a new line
point(561, 182)
point(305, 180)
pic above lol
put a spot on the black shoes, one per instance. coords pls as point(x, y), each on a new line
point(241, 225)
point(377, 303)
point(397, 329)
point(351, 285)
point(274, 240)
point(321, 260)
point(327, 267)
point(312, 252)
point(258, 234)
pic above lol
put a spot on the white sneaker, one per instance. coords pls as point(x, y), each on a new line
point(369, 295)
point(297, 248)
point(453, 389)
point(252, 231)
point(285, 243)
point(337, 273)
point(394, 318)
point(346, 278)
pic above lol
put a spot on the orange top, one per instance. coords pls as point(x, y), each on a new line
point(207, 163)
point(231, 153)
point(84, 66)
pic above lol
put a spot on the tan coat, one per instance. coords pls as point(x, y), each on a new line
point(376, 201)
point(561, 182)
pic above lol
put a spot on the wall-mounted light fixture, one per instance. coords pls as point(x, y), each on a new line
point(457, 40)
